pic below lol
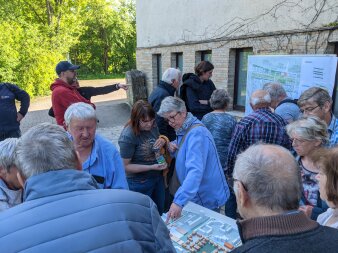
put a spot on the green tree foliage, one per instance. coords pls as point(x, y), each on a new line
point(109, 42)
point(36, 34)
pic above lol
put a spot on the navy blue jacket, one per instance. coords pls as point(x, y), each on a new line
point(194, 90)
point(162, 91)
point(64, 212)
point(8, 113)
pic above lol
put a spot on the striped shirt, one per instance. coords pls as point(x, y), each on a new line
point(260, 126)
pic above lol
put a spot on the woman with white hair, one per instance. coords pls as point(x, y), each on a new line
point(10, 188)
point(198, 169)
point(308, 135)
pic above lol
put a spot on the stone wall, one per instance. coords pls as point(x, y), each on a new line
point(321, 41)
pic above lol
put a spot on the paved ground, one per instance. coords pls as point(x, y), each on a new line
point(112, 109)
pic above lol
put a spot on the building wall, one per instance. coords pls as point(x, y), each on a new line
point(161, 22)
point(224, 52)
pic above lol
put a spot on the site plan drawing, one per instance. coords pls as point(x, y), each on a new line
point(201, 230)
point(295, 72)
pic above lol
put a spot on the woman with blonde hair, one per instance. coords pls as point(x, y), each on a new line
point(308, 135)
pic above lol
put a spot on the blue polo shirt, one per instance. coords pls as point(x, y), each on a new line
point(333, 132)
point(105, 165)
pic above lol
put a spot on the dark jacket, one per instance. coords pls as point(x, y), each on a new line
point(289, 232)
point(64, 212)
point(8, 113)
point(63, 95)
point(162, 91)
point(193, 90)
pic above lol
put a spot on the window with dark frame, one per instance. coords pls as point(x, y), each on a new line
point(206, 55)
point(241, 68)
point(179, 61)
point(159, 67)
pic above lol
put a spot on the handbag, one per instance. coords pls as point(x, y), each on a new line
point(174, 183)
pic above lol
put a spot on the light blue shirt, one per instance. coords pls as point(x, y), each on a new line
point(105, 165)
point(199, 170)
point(333, 132)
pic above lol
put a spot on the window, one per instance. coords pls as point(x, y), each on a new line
point(241, 67)
point(157, 68)
point(177, 61)
point(206, 55)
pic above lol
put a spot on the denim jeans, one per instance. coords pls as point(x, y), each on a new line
point(10, 134)
point(153, 186)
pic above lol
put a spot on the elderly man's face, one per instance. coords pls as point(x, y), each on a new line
point(83, 132)
point(312, 108)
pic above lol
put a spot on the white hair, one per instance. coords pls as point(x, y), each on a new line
point(276, 90)
point(170, 75)
point(260, 100)
point(44, 147)
point(80, 111)
point(271, 176)
point(7, 154)
point(309, 128)
point(171, 104)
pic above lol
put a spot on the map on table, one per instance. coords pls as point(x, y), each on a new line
point(196, 232)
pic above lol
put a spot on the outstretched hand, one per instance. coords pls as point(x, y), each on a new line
point(122, 86)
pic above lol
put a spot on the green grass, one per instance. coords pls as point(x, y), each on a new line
point(100, 76)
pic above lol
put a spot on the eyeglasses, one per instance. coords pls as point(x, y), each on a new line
point(297, 141)
point(245, 188)
point(144, 122)
point(171, 118)
point(309, 109)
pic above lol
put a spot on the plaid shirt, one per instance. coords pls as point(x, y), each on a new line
point(333, 132)
point(260, 126)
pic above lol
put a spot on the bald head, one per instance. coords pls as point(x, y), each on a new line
point(271, 176)
point(260, 99)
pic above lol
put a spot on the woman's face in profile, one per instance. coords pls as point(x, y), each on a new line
point(206, 75)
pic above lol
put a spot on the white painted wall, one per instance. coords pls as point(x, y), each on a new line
point(165, 22)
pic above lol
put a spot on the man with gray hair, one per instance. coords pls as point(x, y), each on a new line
point(98, 156)
point(283, 105)
point(64, 211)
point(170, 82)
point(10, 188)
point(268, 189)
point(316, 101)
point(260, 126)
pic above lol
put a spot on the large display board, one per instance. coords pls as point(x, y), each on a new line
point(295, 72)
point(202, 230)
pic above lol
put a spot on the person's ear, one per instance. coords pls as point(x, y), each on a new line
point(21, 179)
point(327, 107)
point(241, 195)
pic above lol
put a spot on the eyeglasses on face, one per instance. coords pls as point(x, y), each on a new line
point(171, 118)
point(144, 122)
point(309, 109)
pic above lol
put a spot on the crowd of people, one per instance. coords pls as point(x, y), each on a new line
point(65, 188)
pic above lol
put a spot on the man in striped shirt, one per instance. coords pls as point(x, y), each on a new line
point(260, 126)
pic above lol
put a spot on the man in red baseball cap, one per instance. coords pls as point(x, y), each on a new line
point(64, 92)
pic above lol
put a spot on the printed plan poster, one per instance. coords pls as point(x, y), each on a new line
point(295, 72)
